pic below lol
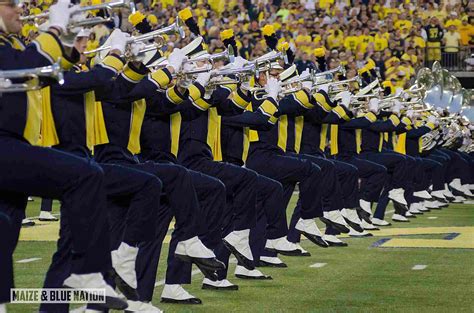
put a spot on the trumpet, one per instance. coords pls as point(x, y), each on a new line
point(175, 28)
point(226, 55)
point(264, 63)
point(340, 69)
point(239, 75)
point(335, 87)
point(107, 6)
point(32, 74)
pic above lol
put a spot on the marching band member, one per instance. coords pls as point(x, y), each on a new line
point(134, 194)
point(29, 170)
point(124, 121)
point(159, 141)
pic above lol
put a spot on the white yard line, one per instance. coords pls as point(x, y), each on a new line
point(318, 265)
point(432, 217)
point(28, 260)
point(419, 267)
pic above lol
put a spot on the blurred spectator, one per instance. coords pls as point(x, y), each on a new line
point(398, 35)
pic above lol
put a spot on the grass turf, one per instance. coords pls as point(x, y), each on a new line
point(358, 278)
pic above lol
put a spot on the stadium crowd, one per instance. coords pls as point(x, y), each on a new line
point(398, 35)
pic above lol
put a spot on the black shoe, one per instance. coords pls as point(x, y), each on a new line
point(315, 239)
point(363, 215)
point(261, 263)
point(248, 264)
point(28, 224)
point(295, 252)
point(208, 266)
point(129, 292)
point(400, 208)
point(263, 277)
point(211, 287)
point(354, 225)
point(48, 219)
point(337, 244)
point(185, 301)
point(341, 228)
point(442, 200)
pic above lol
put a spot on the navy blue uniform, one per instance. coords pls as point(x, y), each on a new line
point(29, 170)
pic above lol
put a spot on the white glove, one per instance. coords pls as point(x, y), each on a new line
point(59, 15)
point(307, 85)
point(324, 88)
point(374, 105)
point(397, 107)
point(273, 87)
point(118, 40)
point(431, 119)
point(176, 59)
point(345, 98)
point(410, 114)
point(306, 72)
point(439, 110)
point(398, 91)
point(203, 78)
point(245, 85)
point(471, 127)
point(136, 47)
point(239, 62)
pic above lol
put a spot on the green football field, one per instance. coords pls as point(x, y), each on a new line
point(426, 265)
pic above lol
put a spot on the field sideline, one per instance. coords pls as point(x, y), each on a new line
point(371, 275)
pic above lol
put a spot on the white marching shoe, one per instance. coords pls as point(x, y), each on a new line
point(459, 199)
point(397, 195)
point(268, 261)
point(425, 195)
point(379, 222)
point(357, 234)
point(447, 193)
point(243, 273)
point(218, 285)
point(422, 207)
point(433, 204)
point(335, 219)
point(47, 217)
point(414, 208)
point(282, 245)
point(123, 261)
point(352, 218)
point(194, 248)
point(177, 294)
point(333, 241)
point(311, 231)
point(467, 190)
point(456, 184)
point(96, 281)
point(3, 308)
point(144, 307)
point(368, 226)
point(438, 195)
point(27, 222)
point(238, 244)
point(365, 206)
point(194, 251)
point(302, 250)
point(399, 218)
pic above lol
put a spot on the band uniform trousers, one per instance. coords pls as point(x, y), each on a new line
point(133, 206)
point(240, 184)
point(44, 172)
